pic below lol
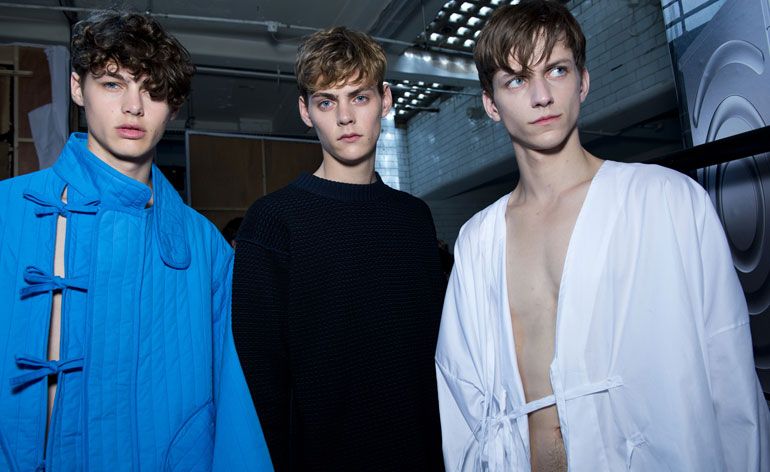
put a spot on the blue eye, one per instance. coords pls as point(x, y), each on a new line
point(558, 71)
point(515, 82)
point(361, 99)
point(110, 85)
point(324, 104)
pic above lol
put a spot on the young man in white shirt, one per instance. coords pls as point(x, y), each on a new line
point(594, 320)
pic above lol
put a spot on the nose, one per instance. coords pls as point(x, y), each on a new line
point(345, 113)
point(540, 91)
point(133, 101)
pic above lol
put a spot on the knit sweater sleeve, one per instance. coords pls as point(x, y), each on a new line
point(260, 287)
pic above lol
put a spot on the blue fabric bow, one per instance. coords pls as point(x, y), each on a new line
point(43, 368)
point(40, 282)
point(57, 207)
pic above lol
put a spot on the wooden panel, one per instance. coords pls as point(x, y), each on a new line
point(6, 55)
point(6, 165)
point(34, 91)
point(27, 158)
point(225, 172)
point(285, 160)
point(6, 159)
point(221, 217)
point(5, 103)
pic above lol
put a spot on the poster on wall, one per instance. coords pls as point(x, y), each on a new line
point(721, 55)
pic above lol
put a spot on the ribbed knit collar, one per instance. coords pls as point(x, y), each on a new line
point(342, 191)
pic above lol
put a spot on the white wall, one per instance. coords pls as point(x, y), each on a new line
point(392, 162)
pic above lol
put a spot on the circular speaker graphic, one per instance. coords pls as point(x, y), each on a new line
point(725, 78)
point(741, 194)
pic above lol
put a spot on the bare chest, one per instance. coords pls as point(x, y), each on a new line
point(537, 241)
point(536, 248)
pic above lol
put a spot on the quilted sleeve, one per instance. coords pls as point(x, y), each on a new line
point(239, 442)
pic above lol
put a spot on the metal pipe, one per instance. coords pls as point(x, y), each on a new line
point(250, 74)
point(268, 25)
point(429, 89)
point(253, 74)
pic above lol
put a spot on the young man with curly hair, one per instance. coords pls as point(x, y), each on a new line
point(338, 287)
point(116, 350)
point(594, 320)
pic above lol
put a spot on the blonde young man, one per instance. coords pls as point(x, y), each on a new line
point(593, 320)
point(338, 287)
point(115, 345)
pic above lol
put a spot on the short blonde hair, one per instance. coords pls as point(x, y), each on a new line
point(338, 56)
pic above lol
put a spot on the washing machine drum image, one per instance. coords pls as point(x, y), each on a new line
point(726, 81)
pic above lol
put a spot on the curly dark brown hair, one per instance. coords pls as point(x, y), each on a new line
point(137, 42)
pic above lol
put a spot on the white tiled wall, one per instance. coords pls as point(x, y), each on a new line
point(392, 162)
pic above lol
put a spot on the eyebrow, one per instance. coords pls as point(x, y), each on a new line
point(557, 62)
point(125, 77)
point(115, 75)
point(352, 93)
point(548, 66)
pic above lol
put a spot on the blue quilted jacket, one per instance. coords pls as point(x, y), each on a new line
point(148, 377)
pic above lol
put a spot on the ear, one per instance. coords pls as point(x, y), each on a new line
point(304, 113)
point(76, 89)
point(387, 99)
point(489, 106)
point(585, 82)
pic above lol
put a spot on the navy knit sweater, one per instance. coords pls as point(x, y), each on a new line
point(337, 297)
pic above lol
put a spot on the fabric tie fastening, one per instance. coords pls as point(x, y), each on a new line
point(40, 282)
point(43, 368)
point(48, 207)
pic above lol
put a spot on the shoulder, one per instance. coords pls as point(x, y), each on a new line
point(409, 202)
point(12, 191)
point(652, 193)
point(481, 228)
point(651, 179)
point(209, 239)
point(17, 185)
point(267, 220)
point(199, 224)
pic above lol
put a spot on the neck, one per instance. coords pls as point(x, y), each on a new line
point(360, 173)
point(139, 169)
point(546, 175)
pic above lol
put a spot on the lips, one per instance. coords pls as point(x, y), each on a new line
point(546, 120)
point(349, 138)
point(130, 131)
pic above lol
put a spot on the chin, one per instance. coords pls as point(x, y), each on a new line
point(129, 154)
point(548, 146)
point(354, 159)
